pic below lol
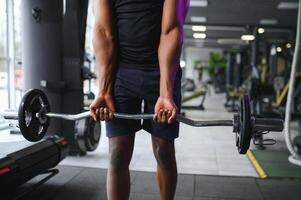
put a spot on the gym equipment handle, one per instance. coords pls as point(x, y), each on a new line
point(267, 124)
point(179, 118)
point(14, 116)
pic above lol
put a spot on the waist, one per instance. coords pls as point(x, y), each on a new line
point(138, 66)
point(138, 57)
point(125, 68)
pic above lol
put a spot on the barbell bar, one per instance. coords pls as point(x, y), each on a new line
point(180, 118)
point(34, 116)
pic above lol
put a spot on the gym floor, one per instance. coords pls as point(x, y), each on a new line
point(79, 183)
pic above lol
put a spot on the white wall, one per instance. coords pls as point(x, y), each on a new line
point(194, 54)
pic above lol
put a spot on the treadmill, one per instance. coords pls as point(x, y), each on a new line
point(22, 161)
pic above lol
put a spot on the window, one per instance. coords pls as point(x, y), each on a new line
point(3, 32)
point(89, 86)
point(10, 54)
point(3, 57)
point(18, 51)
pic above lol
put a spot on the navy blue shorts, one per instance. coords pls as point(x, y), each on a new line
point(131, 88)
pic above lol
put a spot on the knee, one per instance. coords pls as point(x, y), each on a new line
point(119, 159)
point(165, 157)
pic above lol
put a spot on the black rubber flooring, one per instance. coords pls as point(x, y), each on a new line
point(275, 164)
point(75, 183)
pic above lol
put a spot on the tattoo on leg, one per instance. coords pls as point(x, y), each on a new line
point(118, 160)
point(165, 157)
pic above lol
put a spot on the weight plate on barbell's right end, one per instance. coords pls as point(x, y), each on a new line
point(243, 136)
point(31, 126)
point(87, 134)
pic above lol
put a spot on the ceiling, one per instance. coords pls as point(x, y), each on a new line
point(227, 20)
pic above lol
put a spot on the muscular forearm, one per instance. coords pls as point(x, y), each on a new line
point(105, 58)
point(169, 58)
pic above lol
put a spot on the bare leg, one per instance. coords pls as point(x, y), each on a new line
point(118, 176)
point(164, 152)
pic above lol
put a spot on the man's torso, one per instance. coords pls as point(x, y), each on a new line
point(138, 27)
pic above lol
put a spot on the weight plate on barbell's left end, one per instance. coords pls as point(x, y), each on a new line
point(243, 136)
point(32, 118)
point(93, 136)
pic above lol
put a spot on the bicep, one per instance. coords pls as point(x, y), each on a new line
point(174, 13)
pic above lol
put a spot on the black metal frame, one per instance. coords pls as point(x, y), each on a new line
point(51, 172)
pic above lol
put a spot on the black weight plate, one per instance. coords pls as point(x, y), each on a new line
point(32, 128)
point(93, 135)
point(243, 136)
point(80, 134)
point(87, 134)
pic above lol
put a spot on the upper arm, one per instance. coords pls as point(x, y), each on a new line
point(174, 14)
point(103, 17)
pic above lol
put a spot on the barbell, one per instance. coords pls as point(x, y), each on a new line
point(34, 117)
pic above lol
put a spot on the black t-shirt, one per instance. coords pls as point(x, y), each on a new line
point(138, 26)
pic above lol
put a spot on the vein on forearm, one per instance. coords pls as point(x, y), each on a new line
point(103, 43)
point(169, 55)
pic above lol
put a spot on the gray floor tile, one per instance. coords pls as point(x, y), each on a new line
point(279, 189)
point(90, 178)
point(185, 186)
point(78, 193)
point(66, 174)
point(230, 165)
point(207, 198)
point(48, 190)
point(238, 173)
point(227, 187)
point(138, 196)
point(87, 184)
point(145, 183)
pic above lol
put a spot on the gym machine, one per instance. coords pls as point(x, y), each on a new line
point(27, 161)
point(53, 41)
point(234, 73)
